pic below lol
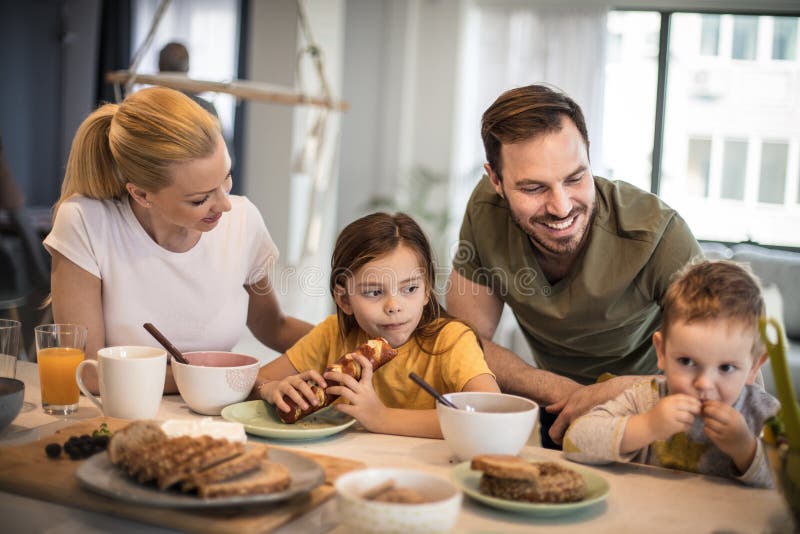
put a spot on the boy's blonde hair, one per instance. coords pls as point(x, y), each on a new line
point(714, 290)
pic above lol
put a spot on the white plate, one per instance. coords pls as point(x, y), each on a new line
point(259, 418)
point(100, 475)
point(469, 481)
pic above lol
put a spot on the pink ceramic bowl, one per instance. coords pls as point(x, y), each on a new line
point(213, 380)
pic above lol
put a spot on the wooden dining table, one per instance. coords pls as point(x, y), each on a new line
point(640, 499)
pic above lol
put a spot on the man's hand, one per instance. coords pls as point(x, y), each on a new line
point(726, 427)
point(581, 399)
point(364, 403)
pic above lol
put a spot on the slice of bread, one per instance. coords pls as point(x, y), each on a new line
point(149, 460)
point(218, 451)
point(270, 478)
point(133, 436)
point(505, 466)
point(243, 463)
point(213, 467)
point(510, 477)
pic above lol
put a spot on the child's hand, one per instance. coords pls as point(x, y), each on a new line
point(364, 403)
point(673, 414)
point(726, 427)
point(295, 387)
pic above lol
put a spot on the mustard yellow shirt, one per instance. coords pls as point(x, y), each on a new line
point(447, 371)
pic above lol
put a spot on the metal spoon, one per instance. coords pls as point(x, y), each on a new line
point(165, 343)
point(435, 394)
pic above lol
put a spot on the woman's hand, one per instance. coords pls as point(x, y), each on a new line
point(295, 387)
point(364, 403)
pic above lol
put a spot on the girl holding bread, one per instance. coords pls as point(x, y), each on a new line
point(382, 281)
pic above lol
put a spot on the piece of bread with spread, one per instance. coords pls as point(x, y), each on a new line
point(510, 477)
point(211, 467)
point(377, 351)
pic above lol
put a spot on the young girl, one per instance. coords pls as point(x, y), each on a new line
point(382, 280)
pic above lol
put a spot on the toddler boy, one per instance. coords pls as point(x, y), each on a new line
point(705, 414)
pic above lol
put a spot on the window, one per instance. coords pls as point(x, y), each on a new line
point(630, 101)
point(745, 36)
point(731, 128)
point(772, 185)
point(709, 35)
point(734, 164)
point(698, 166)
point(784, 38)
point(727, 151)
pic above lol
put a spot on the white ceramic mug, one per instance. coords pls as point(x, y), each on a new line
point(131, 381)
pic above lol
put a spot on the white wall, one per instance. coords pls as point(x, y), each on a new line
point(268, 147)
point(274, 136)
point(401, 63)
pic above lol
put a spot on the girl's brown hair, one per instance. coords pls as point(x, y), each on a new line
point(376, 235)
point(137, 141)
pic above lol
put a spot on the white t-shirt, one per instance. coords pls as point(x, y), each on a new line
point(196, 298)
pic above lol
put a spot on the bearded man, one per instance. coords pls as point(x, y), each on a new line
point(583, 262)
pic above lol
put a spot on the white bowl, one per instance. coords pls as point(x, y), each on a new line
point(365, 516)
point(500, 424)
point(213, 380)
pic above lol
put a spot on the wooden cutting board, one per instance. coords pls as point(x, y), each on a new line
point(26, 470)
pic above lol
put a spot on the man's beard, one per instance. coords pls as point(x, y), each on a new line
point(563, 246)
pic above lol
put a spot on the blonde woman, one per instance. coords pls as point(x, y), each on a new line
point(145, 230)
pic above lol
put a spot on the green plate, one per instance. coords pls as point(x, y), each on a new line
point(259, 419)
point(469, 480)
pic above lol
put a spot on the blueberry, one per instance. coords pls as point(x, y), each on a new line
point(53, 450)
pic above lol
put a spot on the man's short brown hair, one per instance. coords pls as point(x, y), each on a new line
point(715, 290)
point(523, 113)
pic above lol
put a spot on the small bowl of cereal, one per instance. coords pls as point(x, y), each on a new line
point(396, 500)
point(486, 423)
point(213, 380)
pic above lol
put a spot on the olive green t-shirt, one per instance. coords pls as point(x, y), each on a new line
point(601, 316)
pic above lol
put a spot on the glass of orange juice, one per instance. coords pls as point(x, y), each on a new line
point(59, 350)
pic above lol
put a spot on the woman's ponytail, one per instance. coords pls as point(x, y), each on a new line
point(137, 141)
point(91, 170)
